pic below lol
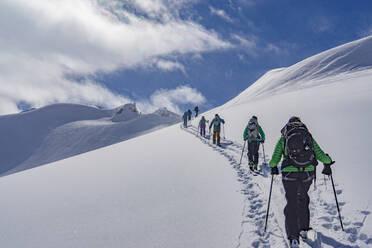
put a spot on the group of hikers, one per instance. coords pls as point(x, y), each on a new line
point(187, 115)
point(300, 153)
point(215, 123)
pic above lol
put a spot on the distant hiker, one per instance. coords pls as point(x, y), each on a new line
point(254, 135)
point(184, 117)
point(189, 114)
point(216, 123)
point(202, 124)
point(196, 109)
point(301, 154)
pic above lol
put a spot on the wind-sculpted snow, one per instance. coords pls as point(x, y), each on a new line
point(60, 131)
point(327, 67)
point(324, 217)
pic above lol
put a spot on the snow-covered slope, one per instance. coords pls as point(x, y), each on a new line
point(59, 131)
point(335, 105)
point(163, 189)
point(171, 188)
point(327, 67)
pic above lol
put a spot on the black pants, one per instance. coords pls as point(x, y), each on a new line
point(253, 147)
point(297, 213)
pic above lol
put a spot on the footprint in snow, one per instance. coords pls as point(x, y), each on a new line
point(358, 224)
point(249, 186)
point(327, 226)
point(365, 212)
point(342, 204)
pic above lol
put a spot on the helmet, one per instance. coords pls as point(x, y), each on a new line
point(254, 117)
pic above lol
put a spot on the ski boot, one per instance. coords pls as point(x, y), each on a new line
point(251, 166)
point(294, 243)
point(308, 234)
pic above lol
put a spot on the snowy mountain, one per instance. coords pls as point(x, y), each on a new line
point(325, 68)
point(60, 131)
point(173, 188)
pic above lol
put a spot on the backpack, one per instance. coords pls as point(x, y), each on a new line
point(216, 122)
point(253, 129)
point(298, 143)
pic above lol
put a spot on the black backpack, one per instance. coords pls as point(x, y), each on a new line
point(298, 143)
point(252, 125)
point(253, 129)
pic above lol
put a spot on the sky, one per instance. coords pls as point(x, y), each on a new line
point(160, 53)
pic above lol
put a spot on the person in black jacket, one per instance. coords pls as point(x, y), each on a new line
point(196, 109)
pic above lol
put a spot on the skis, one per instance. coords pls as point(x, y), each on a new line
point(255, 172)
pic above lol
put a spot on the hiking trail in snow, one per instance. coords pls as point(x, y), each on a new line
point(255, 188)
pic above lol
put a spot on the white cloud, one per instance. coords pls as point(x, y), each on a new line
point(42, 41)
point(249, 45)
point(244, 42)
point(320, 24)
point(221, 13)
point(273, 48)
point(171, 99)
point(167, 65)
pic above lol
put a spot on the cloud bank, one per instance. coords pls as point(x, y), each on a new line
point(42, 42)
point(172, 98)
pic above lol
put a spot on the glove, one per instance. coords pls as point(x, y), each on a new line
point(262, 141)
point(274, 171)
point(327, 169)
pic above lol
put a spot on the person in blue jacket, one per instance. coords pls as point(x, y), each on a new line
point(189, 113)
point(184, 117)
point(216, 123)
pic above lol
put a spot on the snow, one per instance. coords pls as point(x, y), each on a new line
point(145, 192)
point(332, 66)
point(173, 188)
point(60, 131)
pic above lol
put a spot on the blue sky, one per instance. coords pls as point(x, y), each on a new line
point(160, 52)
point(294, 29)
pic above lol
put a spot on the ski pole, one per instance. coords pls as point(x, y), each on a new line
point(268, 205)
point(315, 178)
point(223, 129)
point(241, 157)
point(263, 149)
point(338, 208)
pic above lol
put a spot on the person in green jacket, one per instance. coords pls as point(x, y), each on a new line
point(297, 175)
point(254, 134)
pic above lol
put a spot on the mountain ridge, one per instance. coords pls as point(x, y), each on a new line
point(59, 131)
point(350, 58)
